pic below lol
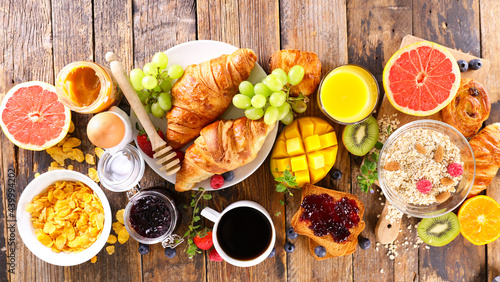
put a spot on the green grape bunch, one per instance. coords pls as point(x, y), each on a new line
point(271, 98)
point(154, 82)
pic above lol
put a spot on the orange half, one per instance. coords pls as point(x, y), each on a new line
point(480, 220)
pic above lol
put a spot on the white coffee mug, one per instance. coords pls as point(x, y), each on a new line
point(215, 217)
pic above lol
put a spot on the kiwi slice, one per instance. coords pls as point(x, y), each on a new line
point(439, 231)
point(361, 137)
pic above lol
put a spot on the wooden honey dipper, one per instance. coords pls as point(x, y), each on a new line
point(163, 153)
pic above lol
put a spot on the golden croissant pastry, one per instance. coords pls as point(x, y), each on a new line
point(222, 146)
point(469, 109)
point(286, 59)
point(204, 92)
point(486, 148)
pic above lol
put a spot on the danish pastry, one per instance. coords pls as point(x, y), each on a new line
point(469, 109)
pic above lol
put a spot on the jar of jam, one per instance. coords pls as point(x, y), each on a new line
point(87, 87)
point(151, 217)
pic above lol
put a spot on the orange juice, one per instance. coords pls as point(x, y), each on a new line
point(348, 94)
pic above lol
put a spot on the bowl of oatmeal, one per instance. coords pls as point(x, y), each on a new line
point(426, 168)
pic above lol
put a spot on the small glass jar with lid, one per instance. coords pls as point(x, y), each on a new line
point(87, 87)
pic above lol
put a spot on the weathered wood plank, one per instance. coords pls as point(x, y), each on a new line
point(375, 32)
point(26, 55)
point(320, 27)
point(456, 25)
point(73, 41)
point(490, 50)
point(237, 23)
point(111, 31)
point(154, 32)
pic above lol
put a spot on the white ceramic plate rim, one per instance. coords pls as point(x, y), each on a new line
point(27, 231)
point(194, 52)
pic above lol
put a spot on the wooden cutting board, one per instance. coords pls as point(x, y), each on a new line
point(479, 75)
point(386, 231)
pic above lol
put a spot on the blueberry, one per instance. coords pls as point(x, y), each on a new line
point(290, 233)
point(475, 64)
point(320, 251)
point(463, 65)
point(364, 243)
point(289, 247)
point(228, 176)
point(170, 253)
point(143, 249)
point(273, 253)
point(336, 174)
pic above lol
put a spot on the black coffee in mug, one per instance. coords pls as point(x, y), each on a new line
point(244, 233)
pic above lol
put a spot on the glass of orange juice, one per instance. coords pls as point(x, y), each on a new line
point(348, 94)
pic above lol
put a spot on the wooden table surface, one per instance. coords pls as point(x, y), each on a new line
point(39, 37)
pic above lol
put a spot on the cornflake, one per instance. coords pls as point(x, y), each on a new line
point(110, 249)
point(93, 175)
point(93, 259)
point(68, 217)
point(90, 159)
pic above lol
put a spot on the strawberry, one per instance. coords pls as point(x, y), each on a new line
point(204, 243)
point(144, 143)
point(214, 256)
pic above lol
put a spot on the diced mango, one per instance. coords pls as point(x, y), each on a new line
point(280, 149)
point(312, 143)
point(306, 127)
point(307, 148)
point(292, 130)
point(302, 177)
point(316, 160)
point(274, 165)
point(316, 175)
point(330, 155)
point(294, 146)
point(298, 163)
point(327, 140)
point(283, 164)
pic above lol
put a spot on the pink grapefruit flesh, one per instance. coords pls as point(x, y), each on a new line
point(421, 79)
point(32, 117)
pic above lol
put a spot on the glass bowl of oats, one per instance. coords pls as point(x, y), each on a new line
point(426, 168)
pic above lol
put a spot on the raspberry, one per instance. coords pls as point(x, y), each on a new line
point(204, 243)
point(179, 155)
point(424, 186)
point(216, 181)
point(455, 169)
point(214, 256)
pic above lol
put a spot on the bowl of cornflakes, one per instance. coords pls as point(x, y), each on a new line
point(63, 217)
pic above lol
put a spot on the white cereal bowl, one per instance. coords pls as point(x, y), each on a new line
point(27, 232)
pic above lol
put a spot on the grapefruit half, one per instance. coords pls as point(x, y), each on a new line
point(32, 117)
point(421, 79)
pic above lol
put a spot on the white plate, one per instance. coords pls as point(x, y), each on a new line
point(195, 52)
point(27, 231)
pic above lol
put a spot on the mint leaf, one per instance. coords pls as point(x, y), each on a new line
point(280, 188)
point(379, 145)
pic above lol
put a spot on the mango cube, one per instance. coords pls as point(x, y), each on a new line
point(298, 163)
point(292, 131)
point(327, 140)
point(294, 146)
point(317, 174)
point(306, 127)
point(302, 177)
point(330, 155)
point(316, 160)
point(312, 143)
point(280, 149)
point(283, 164)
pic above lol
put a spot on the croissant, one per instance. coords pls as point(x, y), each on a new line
point(286, 59)
point(469, 109)
point(222, 146)
point(204, 92)
point(486, 148)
